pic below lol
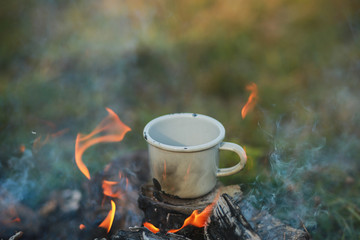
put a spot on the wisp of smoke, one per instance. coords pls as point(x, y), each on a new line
point(296, 156)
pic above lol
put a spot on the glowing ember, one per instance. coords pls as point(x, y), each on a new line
point(82, 226)
point(111, 128)
point(108, 189)
point(108, 221)
point(22, 148)
point(17, 219)
point(151, 227)
point(198, 219)
point(252, 100)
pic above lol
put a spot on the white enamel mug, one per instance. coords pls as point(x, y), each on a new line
point(184, 153)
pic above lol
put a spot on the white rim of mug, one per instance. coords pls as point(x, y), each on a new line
point(194, 148)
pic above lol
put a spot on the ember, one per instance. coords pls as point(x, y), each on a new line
point(252, 100)
point(82, 226)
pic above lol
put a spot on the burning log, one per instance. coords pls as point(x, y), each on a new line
point(232, 218)
point(169, 213)
point(144, 234)
point(227, 222)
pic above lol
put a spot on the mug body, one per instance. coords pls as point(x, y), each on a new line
point(184, 174)
point(184, 153)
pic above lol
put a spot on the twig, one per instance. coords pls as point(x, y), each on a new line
point(303, 225)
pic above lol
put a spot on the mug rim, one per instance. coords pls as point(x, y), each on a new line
point(194, 148)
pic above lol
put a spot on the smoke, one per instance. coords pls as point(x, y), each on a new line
point(19, 184)
point(314, 157)
point(295, 157)
point(298, 155)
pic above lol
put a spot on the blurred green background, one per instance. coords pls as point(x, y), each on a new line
point(63, 62)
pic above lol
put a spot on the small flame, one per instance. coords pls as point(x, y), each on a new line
point(107, 189)
point(82, 226)
point(113, 129)
point(151, 227)
point(59, 133)
point(252, 100)
point(108, 221)
point(127, 183)
point(39, 142)
point(17, 219)
point(22, 148)
point(198, 219)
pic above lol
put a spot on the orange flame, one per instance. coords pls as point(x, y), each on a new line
point(22, 148)
point(151, 227)
point(17, 219)
point(82, 226)
point(127, 183)
point(113, 129)
point(252, 100)
point(198, 219)
point(39, 142)
point(107, 189)
point(108, 221)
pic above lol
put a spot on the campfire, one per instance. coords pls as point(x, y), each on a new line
point(121, 202)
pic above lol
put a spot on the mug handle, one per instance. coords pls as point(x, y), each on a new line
point(234, 169)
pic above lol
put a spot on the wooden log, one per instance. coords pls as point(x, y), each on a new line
point(144, 234)
point(168, 212)
point(231, 214)
point(227, 222)
point(267, 226)
point(16, 236)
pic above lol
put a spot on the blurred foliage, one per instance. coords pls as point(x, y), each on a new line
point(63, 62)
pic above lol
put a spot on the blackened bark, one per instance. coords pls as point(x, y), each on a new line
point(144, 234)
point(227, 222)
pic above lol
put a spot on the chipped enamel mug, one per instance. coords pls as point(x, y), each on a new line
point(184, 153)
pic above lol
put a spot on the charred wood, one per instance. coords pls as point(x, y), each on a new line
point(267, 226)
point(169, 212)
point(232, 218)
point(144, 234)
point(16, 236)
point(227, 222)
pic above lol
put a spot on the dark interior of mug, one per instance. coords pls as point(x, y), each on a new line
point(184, 130)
